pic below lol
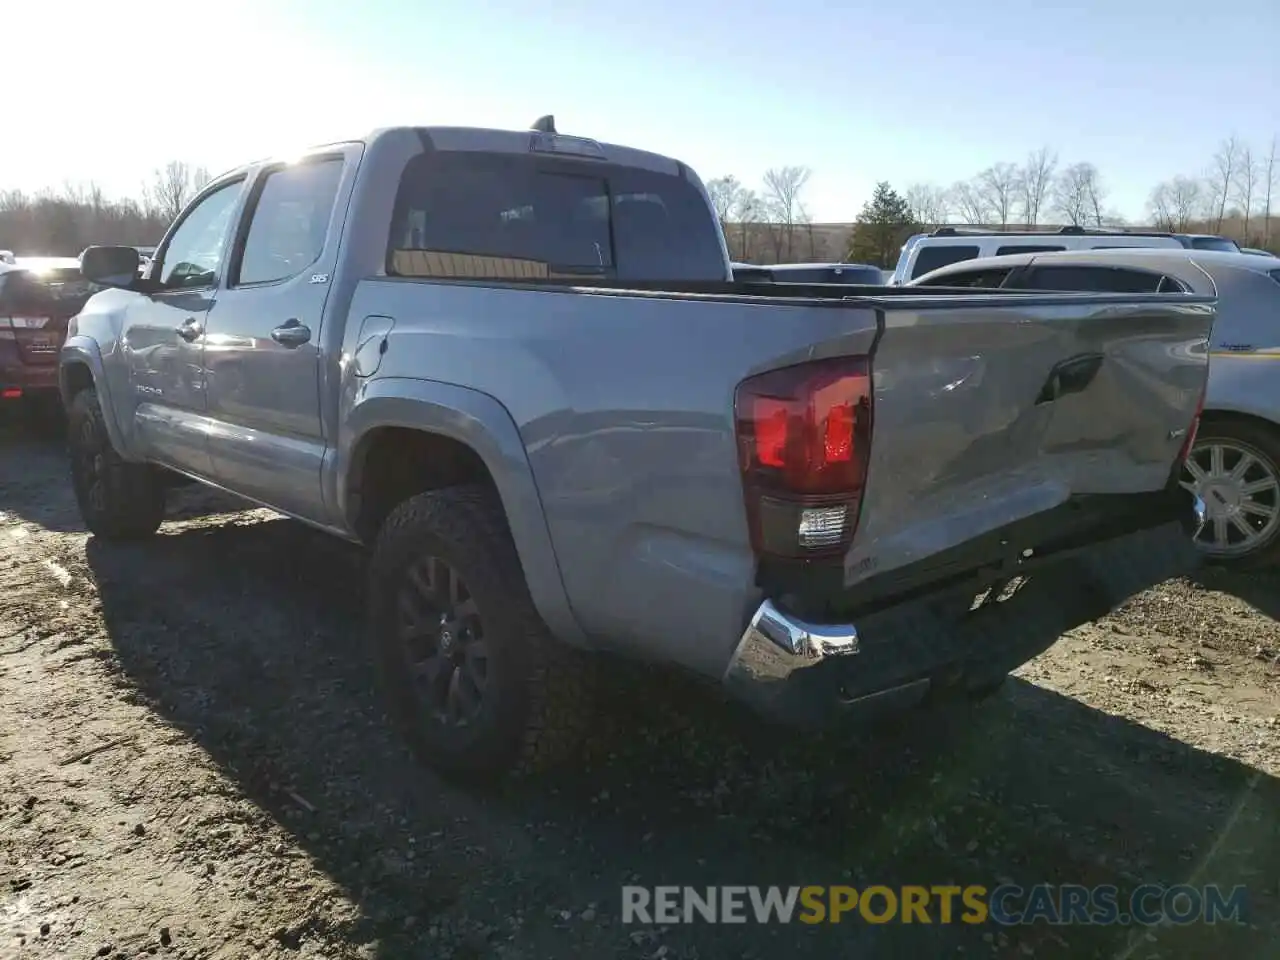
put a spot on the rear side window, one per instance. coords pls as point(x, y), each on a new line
point(289, 222)
point(1026, 248)
point(987, 279)
point(932, 257)
point(510, 216)
point(1275, 275)
point(1096, 280)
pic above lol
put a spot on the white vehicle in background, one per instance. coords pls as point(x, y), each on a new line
point(1234, 464)
point(6, 256)
point(925, 252)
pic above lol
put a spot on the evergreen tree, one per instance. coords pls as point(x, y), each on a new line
point(883, 225)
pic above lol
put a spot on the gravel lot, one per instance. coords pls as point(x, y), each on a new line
point(193, 764)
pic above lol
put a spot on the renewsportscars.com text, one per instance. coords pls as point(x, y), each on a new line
point(1007, 904)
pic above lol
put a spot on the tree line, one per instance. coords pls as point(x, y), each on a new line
point(63, 222)
point(1235, 195)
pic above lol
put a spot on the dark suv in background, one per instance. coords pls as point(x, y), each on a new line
point(38, 296)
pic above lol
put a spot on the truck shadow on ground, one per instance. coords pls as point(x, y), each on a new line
point(1258, 588)
point(39, 456)
point(247, 636)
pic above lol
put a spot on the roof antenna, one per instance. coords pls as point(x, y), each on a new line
point(545, 124)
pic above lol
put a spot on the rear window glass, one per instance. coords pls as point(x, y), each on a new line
point(1215, 243)
point(1026, 248)
point(864, 275)
point(989, 279)
point(933, 257)
point(1094, 279)
point(508, 216)
point(59, 291)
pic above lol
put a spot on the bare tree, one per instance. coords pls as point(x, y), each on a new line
point(999, 186)
point(170, 188)
point(746, 213)
point(1245, 184)
point(784, 204)
point(1160, 206)
point(1222, 176)
point(1034, 180)
point(1096, 195)
point(1186, 195)
point(724, 193)
point(928, 203)
point(969, 202)
point(1268, 185)
point(1173, 204)
point(1074, 193)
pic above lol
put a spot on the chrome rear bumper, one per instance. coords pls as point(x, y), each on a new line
point(803, 673)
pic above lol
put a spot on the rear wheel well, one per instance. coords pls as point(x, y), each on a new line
point(77, 377)
point(1217, 417)
point(396, 463)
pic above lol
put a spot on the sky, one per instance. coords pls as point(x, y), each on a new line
point(928, 90)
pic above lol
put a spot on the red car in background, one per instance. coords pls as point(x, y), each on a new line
point(38, 295)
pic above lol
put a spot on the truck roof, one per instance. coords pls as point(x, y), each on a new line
point(495, 140)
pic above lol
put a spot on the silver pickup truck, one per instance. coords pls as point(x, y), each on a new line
point(515, 365)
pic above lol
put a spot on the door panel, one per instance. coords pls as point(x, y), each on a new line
point(164, 333)
point(262, 355)
point(167, 376)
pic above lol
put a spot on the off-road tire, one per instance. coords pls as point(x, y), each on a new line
point(1266, 441)
point(542, 690)
point(131, 501)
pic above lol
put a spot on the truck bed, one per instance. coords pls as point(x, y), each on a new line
point(623, 395)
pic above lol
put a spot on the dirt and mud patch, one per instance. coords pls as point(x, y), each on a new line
point(193, 763)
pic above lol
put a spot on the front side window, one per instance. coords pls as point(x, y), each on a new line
point(511, 216)
point(943, 255)
point(196, 251)
point(290, 221)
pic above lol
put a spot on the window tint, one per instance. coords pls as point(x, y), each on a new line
point(195, 254)
point(933, 257)
point(290, 221)
point(59, 291)
point(496, 216)
point(988, 279)
point(1093, 279)
point(1026, 248)
point(820, 274)
point(1214, 243)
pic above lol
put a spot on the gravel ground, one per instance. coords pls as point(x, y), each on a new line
point(193, 764)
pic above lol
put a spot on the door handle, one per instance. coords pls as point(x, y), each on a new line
point(291, 333)
point(1072, 375)
point(190, 329)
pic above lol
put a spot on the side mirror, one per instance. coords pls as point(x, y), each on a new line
point(110, 266)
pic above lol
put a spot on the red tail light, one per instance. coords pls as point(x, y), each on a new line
point(1192, 430)
point(804, 436)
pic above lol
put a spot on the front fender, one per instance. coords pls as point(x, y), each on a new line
point(84, 350)
point(483, 424)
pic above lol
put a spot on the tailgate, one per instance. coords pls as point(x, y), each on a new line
point(992, 409)
point(39, 337)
